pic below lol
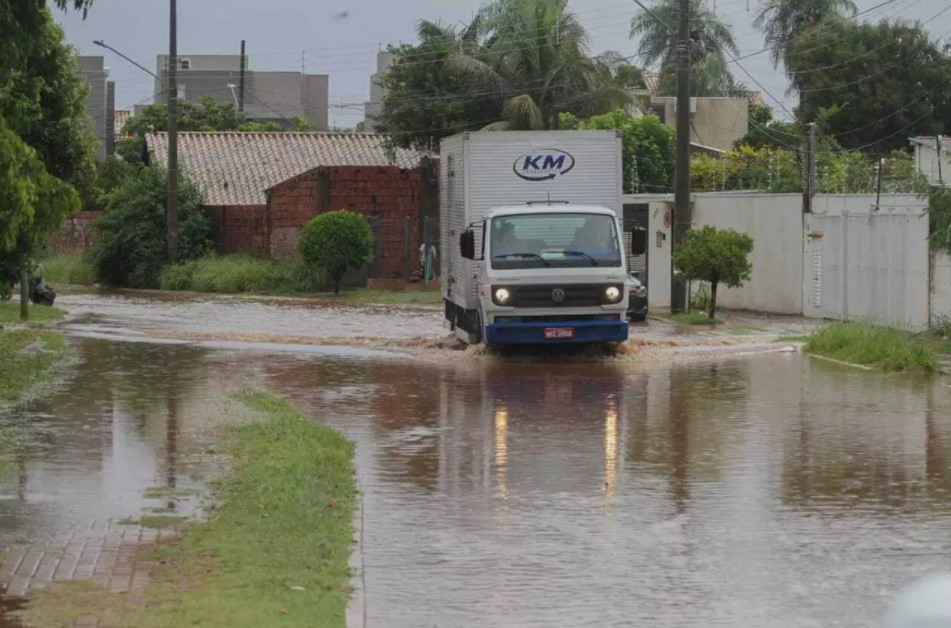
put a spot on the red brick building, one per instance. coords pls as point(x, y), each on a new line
point(262, 188)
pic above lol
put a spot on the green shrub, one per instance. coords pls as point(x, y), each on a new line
point(72, 269)
point(715, 256)
point(873, 345)
point(336, 242)
point(235, 274)
point(131, 249)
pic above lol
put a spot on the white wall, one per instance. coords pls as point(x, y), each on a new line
point(940, 285)
point(864, 263)
point(658, 257)
point(774, 221)
point(926, 158)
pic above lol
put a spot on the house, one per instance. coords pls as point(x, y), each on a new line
point(927, 149)
point(100, 103)
point(121, 116)
point(715, 122)
point(268, 96)
point(262, 188)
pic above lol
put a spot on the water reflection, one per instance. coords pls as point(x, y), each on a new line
point(764, 491)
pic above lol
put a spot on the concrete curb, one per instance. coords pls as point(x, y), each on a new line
point(357, 607)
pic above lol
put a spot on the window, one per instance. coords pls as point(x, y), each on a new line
point(554, 239)
point(185, 64)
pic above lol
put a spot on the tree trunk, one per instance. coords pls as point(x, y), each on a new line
point(713, 299)
point(24, 292)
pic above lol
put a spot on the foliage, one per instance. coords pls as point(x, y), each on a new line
point(746, 168)
point(205, 115)
point(647, 148)
point(715, 256)
point(939, 211)
point(46, 147)
point(131, 248)
point(778, 170)
point(765, 131)
point(513, 66)
point(712, 41)
point(783, 20)
point(878, 84)
point(73, 269)
point(424, 102)
point(879, 347)
point(336, 242)
point(235, 274)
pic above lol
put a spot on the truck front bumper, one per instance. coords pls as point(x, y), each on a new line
point(534, 332)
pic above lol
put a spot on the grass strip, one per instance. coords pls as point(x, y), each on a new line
point(274, 551)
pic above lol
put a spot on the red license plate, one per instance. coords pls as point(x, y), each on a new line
point(559, 332)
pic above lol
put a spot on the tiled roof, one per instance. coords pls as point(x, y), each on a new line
point(236, 168)
point(122, 115)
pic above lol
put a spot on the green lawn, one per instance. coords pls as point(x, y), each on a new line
point(10, 313)
point(273, 553)
point(878, 347)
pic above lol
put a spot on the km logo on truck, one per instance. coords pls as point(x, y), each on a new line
point(543, 165)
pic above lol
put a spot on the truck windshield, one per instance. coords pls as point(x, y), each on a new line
point(556, 239)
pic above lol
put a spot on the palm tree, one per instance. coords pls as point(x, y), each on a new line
point(657, 33)
point(712, 42)
point(782, 20)
point(534, 55)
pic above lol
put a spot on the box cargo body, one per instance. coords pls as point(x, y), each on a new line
point(485, 170)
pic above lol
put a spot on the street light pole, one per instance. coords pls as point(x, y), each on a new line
point(172, 209)
point(679, 300)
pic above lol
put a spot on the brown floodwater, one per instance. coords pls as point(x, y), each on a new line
point(763, 490)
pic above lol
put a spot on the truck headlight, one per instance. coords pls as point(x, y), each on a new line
point(612, 294)
point(640, 292)
point(501, 296)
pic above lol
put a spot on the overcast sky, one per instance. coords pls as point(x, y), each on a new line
point(341, 37)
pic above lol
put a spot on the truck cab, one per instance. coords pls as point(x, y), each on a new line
point(547, 273)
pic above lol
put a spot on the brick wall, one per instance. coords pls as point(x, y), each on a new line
point(238, 228)
point(388, 197)
point(77, 234)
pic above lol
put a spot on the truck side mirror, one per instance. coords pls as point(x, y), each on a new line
point(467, 244)
point(638, 242)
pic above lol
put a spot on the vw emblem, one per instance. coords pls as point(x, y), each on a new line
point(558, 295)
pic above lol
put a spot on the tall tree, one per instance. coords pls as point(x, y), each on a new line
point(783, 20)
point(424, 98)
point(871, 86)
point(535, 57)
point(711, 37)
point(46, 144)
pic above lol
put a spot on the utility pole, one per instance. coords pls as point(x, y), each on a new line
point(811, 168)
point(241, 80)
point(682, 210)
point(554, 102)
point(938, 145)
point(172, 210)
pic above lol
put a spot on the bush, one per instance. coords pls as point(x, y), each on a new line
point(336, 242)
point(72, 269)
point(131, 249)
point(235, 274)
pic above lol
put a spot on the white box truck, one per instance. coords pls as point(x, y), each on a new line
point(532, 247)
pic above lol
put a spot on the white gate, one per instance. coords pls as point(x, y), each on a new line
point(863, 263)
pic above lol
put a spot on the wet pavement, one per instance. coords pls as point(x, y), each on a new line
point(753, 490)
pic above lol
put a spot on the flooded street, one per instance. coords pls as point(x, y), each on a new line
point(753, 490)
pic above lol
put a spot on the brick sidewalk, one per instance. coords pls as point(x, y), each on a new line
point(104, 552)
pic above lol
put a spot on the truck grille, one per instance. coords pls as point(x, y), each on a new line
point(545, 296)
